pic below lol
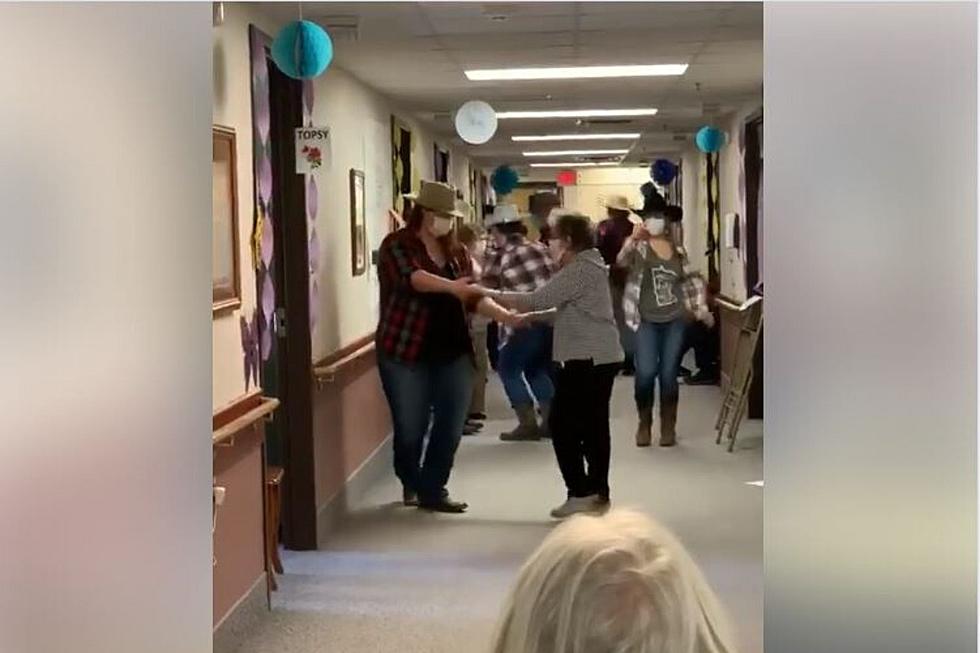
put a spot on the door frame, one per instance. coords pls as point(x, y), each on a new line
point(292, 340)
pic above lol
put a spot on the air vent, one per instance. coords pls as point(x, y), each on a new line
point(341, 28)
point(679, 138)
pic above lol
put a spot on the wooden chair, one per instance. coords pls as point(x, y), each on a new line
point(737, 388)
point(273, 506)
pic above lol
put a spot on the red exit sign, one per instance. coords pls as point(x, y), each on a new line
point(567, 178)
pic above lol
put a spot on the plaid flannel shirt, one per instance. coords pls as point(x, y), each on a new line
point(519, 265)
point(405, 315)
point(691, 288)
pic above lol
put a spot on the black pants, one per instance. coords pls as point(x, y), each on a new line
point(493, 344)
point(580, 425)
point(706, 343)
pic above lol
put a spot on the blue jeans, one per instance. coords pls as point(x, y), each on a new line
point(431, 398)
point(527, 355)
point(658, 354)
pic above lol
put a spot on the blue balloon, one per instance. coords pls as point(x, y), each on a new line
point(302, 50)
point(663, 171)
point(504, 179)
point(709, 139)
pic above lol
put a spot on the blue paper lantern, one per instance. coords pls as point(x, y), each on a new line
point(663, 171)
point(504, 179)
point(709, 139)
point(302, 50)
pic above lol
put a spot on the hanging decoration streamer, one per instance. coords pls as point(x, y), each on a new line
point(504, 180)
point(302, 50)
point(312, 203)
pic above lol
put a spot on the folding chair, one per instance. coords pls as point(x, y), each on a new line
point(737, 391)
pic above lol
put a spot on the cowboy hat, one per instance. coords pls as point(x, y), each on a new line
point(436, 196)
point(503, 214)
point(618, 203)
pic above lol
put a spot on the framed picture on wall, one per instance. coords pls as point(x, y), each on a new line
point(358, 224)
point(226, 283)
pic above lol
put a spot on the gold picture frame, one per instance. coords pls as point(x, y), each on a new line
point(226, 281)
point(358, 224)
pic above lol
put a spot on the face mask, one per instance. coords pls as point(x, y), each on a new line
point(655, 226)
point(441, 226)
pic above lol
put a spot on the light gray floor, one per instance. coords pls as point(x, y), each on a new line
point(396, 580)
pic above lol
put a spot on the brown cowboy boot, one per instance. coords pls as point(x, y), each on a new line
point(643, 435)
point(527, 426)
point(668, 423)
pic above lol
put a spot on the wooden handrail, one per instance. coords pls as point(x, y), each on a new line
point(328, 373)
point(227, 432)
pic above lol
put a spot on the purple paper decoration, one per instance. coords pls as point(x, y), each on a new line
point(314, 251)
point(268, 298)
point(314, 303)
point(250, 348)
point(308, 97)
point(265, 178)
point(312, 199)
point(263, 322)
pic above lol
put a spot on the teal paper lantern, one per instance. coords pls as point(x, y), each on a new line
point(302, 50)
point(709, 139)
point(504, 179)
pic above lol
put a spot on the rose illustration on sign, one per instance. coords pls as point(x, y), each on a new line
point(313, 156)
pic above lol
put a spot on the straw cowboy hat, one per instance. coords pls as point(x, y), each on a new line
point(618, 203)
point(503, 214)
point(437, 196)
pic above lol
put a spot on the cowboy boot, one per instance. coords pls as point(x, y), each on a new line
point(668, 423)
point(643, 435)
point(527, 425)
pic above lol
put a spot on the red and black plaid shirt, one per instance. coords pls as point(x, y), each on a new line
point(405, 314)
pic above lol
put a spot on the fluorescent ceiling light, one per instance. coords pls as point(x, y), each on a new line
point(575, 152)
point(755, 483)
point(578, 137)
point(577, 113)
point(576, 72)
point(577, 164)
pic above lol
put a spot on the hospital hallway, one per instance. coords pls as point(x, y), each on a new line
point(395, 579)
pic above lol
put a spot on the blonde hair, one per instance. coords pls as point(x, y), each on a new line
point(620, 583)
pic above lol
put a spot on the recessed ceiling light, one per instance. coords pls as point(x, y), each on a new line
point(577, 137)
point(575, 152)
point(577, 113)
point(575, 164)
point(576, 72)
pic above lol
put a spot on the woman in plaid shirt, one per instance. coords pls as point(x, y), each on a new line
point(656, 305)
point(520, 265)
point(425, 356)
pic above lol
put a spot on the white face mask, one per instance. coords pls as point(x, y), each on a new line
point(441, 226)
point(655, 226)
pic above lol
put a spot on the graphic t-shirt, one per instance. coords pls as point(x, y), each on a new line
point(659, 297)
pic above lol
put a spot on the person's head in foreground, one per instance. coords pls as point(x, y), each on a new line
point(619, 583)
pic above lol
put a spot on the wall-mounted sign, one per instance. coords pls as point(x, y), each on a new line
point(567, 178)
point(312, 149)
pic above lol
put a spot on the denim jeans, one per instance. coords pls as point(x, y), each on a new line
point(658, 355)
point(527, 355)
point(425, 398)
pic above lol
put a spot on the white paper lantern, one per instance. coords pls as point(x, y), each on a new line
point(476, 122)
